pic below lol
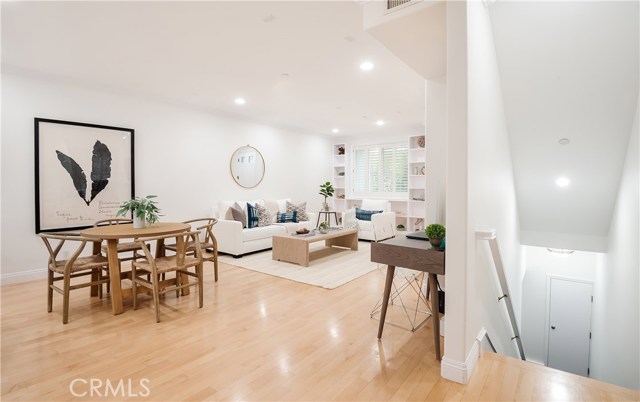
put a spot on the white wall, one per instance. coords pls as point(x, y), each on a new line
point(436, 149)
point(181, 154)
point(615, 348)
point(480, 189)
point(492, 198)
point(540, 263)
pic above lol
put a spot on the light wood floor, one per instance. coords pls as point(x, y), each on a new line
point(257, 338)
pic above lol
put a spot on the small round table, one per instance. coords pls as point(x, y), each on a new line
point(112, 234)
point(327, 217)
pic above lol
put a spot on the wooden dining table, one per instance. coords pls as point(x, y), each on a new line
point(113, 233)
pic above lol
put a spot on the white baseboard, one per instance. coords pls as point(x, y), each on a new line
point(461, 372)
point(24, 276)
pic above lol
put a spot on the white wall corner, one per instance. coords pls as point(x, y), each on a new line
point(461, 372)
point(24, 276)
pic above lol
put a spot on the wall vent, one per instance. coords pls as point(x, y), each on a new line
point(391, 4)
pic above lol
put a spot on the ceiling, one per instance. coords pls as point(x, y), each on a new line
point(568, 70)
point(295, 63)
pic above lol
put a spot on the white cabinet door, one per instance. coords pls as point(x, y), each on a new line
point(569, 326)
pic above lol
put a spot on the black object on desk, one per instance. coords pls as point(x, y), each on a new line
point(417, 236)
point(412, 254)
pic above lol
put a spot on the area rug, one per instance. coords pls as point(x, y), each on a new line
point(329, 267)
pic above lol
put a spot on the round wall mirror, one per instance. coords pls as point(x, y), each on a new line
point(247, 166)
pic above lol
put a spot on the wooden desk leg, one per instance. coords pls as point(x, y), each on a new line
point(385, 300)
point(114, 276)
point(435, 315)
point(94, 275)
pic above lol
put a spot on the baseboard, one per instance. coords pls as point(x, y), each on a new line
point(460, 372)
point(24, 276)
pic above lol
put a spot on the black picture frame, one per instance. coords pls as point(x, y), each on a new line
point(83, 173)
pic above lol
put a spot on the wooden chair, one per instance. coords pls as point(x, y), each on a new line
point(207, 242)
point(178, 263)
point(74, 267)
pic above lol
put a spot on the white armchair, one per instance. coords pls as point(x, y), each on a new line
point(381, 226)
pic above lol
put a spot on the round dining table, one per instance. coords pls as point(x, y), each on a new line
point(113, 233)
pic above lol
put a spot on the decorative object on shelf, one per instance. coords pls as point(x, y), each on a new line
point(89, 161)
point(421, 142)
point(435, 232)
point(400, 227)
point(418, 198)
point(341, 150)
point(423, 170)
point(418, 221)
point(323, 227)
point(340, 196)
point(326, 190)
point(144, 209)
point(247, 166)
point(340, 173)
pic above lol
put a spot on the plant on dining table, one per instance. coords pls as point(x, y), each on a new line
point(142, 208)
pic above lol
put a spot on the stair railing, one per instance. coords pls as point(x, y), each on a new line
point(490, 236)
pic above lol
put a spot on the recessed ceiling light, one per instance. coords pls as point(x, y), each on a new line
point(366, 66)
point(335, 130)
point(379, 123)
point(563, 141)
point(562, 182)
point(240, 101)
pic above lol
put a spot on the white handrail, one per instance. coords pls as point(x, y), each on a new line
point(490, 236)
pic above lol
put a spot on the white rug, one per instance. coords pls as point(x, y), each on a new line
point(329, 267)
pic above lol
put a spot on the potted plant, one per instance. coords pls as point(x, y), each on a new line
point(144, 210)
point(326, 190)
point(323, 227)
point(435, 232)
point(400, 227)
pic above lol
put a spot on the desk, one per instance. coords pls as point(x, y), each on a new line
point(412, 254)
point(112, 234)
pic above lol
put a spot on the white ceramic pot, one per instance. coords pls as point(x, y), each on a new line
point(139, 223)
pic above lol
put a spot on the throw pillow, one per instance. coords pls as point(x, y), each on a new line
point(237, 214)
point(252, 216)
point(264, 217)
point(365, 215)
point(287, 217)
point(301, 209)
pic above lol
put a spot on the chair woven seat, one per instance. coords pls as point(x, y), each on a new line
point(166, 264)
point(82, 263)
point(123, 247)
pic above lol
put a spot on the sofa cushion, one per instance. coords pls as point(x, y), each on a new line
point(365, 215)
point(264, 216)
point(252, 217)
point(301, 209)
point(237, 214)
point(365, 226)
point(287, 217)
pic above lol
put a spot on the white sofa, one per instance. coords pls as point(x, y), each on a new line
point(381, 226)
point(233, 239)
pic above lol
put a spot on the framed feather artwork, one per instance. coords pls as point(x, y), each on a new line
point(83, 173)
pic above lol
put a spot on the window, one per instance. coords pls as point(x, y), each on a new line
point(380, 170)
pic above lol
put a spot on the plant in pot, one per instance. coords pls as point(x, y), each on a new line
point(323, 227)
point(400, 227)
point(144, 209)
point(326, 190)
point(435, 232)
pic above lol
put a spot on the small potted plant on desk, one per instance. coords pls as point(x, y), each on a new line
point(435, 232)
point(144, 210)
point(326, 190)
